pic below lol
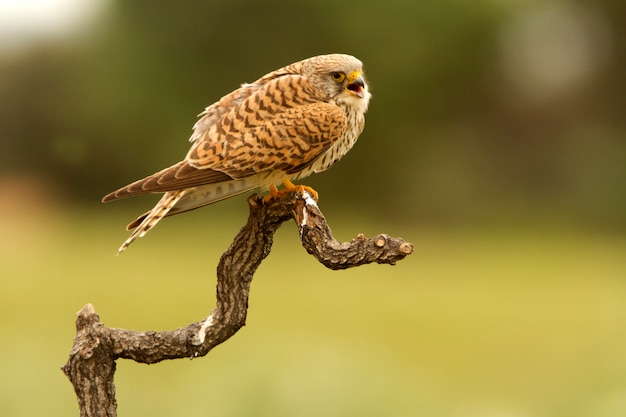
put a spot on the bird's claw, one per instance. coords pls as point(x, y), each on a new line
point(289, 188)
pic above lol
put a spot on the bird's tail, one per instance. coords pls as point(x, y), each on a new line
point(176, 202)
point(148, 220)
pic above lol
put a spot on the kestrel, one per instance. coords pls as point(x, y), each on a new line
point(286, 125)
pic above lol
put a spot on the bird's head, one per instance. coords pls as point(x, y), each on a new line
point(341, 77)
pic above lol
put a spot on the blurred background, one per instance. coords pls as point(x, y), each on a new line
point(495, 142)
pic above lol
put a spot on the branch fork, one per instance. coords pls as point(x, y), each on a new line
point(91, 365)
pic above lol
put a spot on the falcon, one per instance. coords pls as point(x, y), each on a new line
point(288, 124)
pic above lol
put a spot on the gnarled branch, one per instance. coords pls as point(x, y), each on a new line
point(91, 365)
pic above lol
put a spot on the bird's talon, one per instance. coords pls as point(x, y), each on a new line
point(289, 188)
point(273, 194)
point(311, 191)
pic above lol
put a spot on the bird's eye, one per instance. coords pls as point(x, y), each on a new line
point(338, 76)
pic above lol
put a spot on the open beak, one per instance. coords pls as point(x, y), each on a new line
point(356, 84)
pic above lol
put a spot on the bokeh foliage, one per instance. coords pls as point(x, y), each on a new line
point(453, 133)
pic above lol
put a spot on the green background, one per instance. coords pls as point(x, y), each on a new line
point(495, 143)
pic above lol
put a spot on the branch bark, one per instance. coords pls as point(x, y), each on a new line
point(91, 364)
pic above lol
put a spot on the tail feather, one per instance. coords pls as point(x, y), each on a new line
point(190, 201)
point(181, 201)
point(151, 218)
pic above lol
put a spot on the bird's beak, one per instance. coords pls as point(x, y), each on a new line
point(356, 84)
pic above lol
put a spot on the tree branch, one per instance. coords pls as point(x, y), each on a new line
point(91, 365)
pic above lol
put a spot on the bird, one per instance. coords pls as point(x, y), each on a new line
point(292, 122)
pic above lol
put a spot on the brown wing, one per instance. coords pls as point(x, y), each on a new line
point(176, 177)
point(283, 125)
point(216, 110)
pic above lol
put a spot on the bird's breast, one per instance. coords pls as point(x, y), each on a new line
point(355, 125)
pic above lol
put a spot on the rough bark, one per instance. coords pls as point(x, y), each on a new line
point(91, 365)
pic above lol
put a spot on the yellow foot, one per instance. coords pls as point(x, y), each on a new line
point(274, 193)
point(289, 188)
